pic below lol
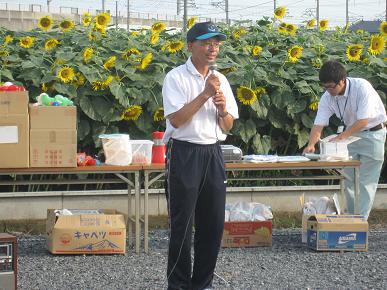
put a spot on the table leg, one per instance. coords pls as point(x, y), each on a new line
point(146, 221)
point(137, 209)
point(129, 218)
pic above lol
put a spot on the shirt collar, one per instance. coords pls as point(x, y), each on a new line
point(191, 68)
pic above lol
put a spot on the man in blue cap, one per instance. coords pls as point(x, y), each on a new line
point(199, 107)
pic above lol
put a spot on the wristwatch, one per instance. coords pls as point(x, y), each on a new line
point(223, 115)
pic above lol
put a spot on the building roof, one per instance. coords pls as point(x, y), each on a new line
point(370, 26)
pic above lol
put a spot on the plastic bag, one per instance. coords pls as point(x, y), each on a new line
point(117, 148)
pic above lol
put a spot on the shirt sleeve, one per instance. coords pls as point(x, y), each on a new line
point(174, 97)
point(231, 105)
point(367, 106)
point(324, 112)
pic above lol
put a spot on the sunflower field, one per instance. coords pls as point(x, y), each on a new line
point(115, 77)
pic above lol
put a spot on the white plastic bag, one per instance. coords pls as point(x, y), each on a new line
point(117, 148)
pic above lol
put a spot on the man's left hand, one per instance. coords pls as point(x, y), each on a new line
point(219, 101)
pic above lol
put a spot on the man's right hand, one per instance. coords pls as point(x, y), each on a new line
point(212, 86)
point(309, 149)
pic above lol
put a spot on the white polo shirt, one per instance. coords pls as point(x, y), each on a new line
point(363, 102)
point(181, 86)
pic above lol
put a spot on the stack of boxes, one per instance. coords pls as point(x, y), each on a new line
point(53, 136)
point(36, 136)
point(14, 130)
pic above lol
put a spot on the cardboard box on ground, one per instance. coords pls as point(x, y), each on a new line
point(317, 205)
point(247, 225)
point(337, 233)
point(53, 136)
point(86, 232)
point(14, 130)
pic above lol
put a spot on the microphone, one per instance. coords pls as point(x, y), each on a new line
point(212, 67)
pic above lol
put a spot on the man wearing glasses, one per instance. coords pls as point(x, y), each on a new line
point(199, 107)
point(361, 113)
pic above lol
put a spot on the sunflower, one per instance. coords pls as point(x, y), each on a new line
point(96, 85)
point(191, 21)
point(360, 31)
point(323, 25)
point(154, 38)
point(66, 74)
point(44, 87)
point(102, 20)
point(87, 54)
point(256, 50)
point(91, 36)
point(260, 91)
point(3, 52)
point(132, 113)
point(246, 95)
point(291, 29)
point(80, 79)
point(45, 22)
point(50, 43)
point(317, 62)
point(377, 44)
point(26, 42)
point(8, 39)
point(129, 53)
point(145, 61)
point(66, 25)
point(158, 27)
point(282, 28)
point(159, 115)
point(383, 28)
point(100, 29)
point(294, 53)
point(366, 61)
point(135, 33)
point(311, 23)
point(346, 27)
point(313, 106)
point(279, 12)
point(107, 82)
point(111, 62)
point(228, 70)
point(354, 51)
point(238, 33)
point(175, 46)
point(86, 19)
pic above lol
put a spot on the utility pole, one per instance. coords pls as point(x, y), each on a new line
point(127, 16)
point(275, 5)
point(386, 12)
point(185, 16)
point(116, 15)
point(318, 13)
point(103, 6)
point(48, 5)
point(347, 13)
point(226, 8)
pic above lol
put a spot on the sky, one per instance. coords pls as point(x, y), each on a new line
point(298, 11)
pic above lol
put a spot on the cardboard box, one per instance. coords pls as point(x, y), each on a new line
point(53, 148)
point(103, 233)
point(337, 233)
point(13, 103)
point(334, 200)
point(14, 141)
point(56, 118)
point(247, 234)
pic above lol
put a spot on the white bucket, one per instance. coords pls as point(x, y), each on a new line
point(117, 148)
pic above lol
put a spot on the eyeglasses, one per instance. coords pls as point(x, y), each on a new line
point(329, 87)
point(208, 44)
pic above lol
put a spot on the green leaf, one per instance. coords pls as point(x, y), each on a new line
point(296, 107)
point(247, 130)
point(260, 106)
point(119, 93)
point(307, 120)
point(83, 129)
point(7, 74)
point(68, 90)
point(87, 107)
point(261, 145)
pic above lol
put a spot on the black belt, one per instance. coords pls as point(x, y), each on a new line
point(376, 128)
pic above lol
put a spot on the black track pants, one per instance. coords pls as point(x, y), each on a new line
point(196, 190)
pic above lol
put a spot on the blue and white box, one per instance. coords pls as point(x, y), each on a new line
point(337, 233)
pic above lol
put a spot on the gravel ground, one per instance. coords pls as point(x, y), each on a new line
point(288, 264)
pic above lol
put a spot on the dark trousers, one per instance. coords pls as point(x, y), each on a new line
point(196, 190)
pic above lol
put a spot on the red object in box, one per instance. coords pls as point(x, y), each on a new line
point(158, 148)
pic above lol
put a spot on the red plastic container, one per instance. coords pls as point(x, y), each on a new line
point(158, 148)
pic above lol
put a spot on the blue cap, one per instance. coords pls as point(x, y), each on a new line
point(204, 30)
